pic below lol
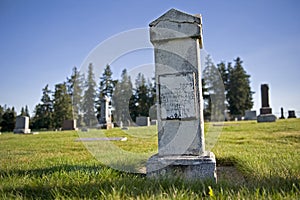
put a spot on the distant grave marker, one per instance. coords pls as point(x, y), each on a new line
point(282, 115)
point(105, 114)
point(22, 125)
point(291, 114)
point(250, 115)
point(265, 111)
point(142, 121)
point(69, 124)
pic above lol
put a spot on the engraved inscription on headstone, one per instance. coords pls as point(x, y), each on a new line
point(177, 96)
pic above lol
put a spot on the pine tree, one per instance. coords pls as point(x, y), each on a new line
point(215, 87)
point(22, 112)
point(106, 88)
point(43, 113)
point(8, 120)
point(1, 115)
point(144, 97)
point(239, 94)
point(75, 89)
point(62, 105)
point(121, 99)
point(89, 114)
point(26, 111)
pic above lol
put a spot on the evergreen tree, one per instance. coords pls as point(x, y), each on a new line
point(22, 112)
point(121, 99)
point(239, 94)
point(1, 114)
point(143, 98)
point(62, 105)
point(8, 120)
point(106, 88)
point(27, 111)
point(89, 114)
point(43, 113)
point(75, 90)
point(215, 87)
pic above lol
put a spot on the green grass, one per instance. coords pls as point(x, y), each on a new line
point(52, 165)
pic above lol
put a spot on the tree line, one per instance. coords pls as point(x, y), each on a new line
point(225, 89)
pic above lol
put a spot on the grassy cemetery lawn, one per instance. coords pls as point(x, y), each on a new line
point(255, 161)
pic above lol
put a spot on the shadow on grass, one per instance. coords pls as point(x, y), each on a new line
point(122, 184)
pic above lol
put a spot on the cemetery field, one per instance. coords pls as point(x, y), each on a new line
point(255, 161)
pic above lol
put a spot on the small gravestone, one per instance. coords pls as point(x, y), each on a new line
point(177, 39)
point(153, 112)
point(69, 124)
point(265, 111)
point(105, 114)
point(250, 115)
point(143, 121)
point(153, 122)
point(22, 125)
point(291, 114)
point(282, 115)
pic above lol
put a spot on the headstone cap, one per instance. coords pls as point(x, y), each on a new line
point(177, 16)
point(175, 24)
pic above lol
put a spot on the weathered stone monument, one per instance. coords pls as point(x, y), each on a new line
point(69, 124)
point(142, 121)
point(250, 115)
point(282, 115)
point(105, 114)
point(291, 114)
point(22, 125)
point(265, 111)
point(177, 39)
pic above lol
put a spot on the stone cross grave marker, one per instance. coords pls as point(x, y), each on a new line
point(22, 125)
point(265, 111)
point(177, 39)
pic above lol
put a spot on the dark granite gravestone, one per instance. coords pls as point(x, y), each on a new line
point(265, 111)
point(282, 115)
point(291, 114)
point(69, 124)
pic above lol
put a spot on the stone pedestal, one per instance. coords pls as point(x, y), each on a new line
point(187, 167)
point(22, 125)
point(265, 111)
point(177, 39)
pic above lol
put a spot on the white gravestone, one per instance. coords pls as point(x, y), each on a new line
point(22, 125)
point(177, 39)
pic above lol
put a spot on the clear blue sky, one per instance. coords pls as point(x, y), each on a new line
point(40, 41)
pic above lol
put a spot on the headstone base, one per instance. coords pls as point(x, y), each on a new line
point(107, 126)
point(24, 131)
point(266, 118)
point(185, 167)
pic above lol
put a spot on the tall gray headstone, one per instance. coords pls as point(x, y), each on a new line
point(177, 39)
point(22, 125)
point(265, 111)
